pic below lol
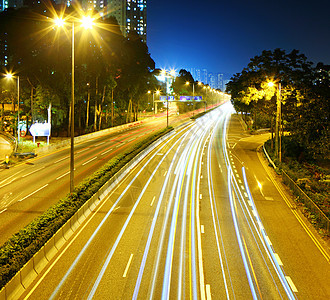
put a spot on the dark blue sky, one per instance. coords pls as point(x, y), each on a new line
point(222, 36)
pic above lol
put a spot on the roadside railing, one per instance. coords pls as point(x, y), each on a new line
point(321, 220)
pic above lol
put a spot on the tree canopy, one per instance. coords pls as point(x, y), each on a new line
point(304, 95)
point(110, 70)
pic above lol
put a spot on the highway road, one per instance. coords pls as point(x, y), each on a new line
point(188, 223)
point(28, 189)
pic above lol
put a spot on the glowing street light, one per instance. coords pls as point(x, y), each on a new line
point(87, 23)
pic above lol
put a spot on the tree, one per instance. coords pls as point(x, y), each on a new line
point(303, 89)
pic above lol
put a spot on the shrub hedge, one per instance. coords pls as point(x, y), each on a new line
point(20, 248)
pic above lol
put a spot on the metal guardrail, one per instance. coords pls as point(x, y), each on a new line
point(322, 221)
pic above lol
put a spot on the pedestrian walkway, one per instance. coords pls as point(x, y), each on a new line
point(5, 149)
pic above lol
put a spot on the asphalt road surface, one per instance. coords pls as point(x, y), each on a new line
point(28, 189)
point(189, 223)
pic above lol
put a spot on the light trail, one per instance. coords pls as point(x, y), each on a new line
point(79, 256)
point(152, 228)
point(215, 217)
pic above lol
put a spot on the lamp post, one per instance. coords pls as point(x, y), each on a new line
point(10, 76)
point(278, 146)
point(87, 22)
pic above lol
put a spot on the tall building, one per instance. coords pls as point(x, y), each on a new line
point(131, 16)
point(204, 77)
point(219, 81)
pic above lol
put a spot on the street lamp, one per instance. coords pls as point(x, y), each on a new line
point(10, 76)
point(278, 152)
point(87, 23)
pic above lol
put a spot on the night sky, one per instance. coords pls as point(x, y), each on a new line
point(222, 36)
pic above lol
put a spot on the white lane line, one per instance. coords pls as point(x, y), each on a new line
point(208, 292)
point(61, 159)
point(290, 282)
point(12, 177)
point(99, 144)
point(105, 152)
point(246, 195)
point(63, 175)
point(159, 153)
point(3, 210)
point(153, 200)
point(200, 196)
point(33, 192)
point(202, 229)
point(85, 163)
point(201, 176)
point(82, 150)
point(33, 172)
point(165, 173)
point(250, 203)
point(128, 264)
point(278, 259)
point(239, 181)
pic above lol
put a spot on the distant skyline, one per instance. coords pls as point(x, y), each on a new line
point(222, 36)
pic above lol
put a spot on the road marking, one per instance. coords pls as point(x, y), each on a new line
point(128, 264)
point(202, 229)
point(269, 198)
point(99, 144)
point(153, 199)
point(33, 172)
point(3, 210)
point(9, 178)
point(165, 173)
point(33, 192)
point(61, 159)
point(159, 153)
point(82, 150)
point(278, 259)
point(200, 196)
point(208, 292)
point(239, 181)
point(106, 151)
point(85, 163)
point(245, 194)
point(250, 203)
point(201, 176)
point(63, 175)
point(290, 282)
point(254, 212)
